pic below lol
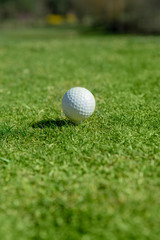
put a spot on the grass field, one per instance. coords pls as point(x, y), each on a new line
point(95, 181)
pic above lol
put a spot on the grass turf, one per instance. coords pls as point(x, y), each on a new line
point(99, 180)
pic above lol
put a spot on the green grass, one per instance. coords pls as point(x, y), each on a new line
point(95, 181)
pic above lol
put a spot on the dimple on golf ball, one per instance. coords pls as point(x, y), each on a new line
point(78, 104)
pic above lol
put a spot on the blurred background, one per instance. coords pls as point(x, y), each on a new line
point(117, 16)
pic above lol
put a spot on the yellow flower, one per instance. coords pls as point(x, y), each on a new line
point(54, 19)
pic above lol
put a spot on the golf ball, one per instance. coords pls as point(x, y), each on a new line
point(78, 104)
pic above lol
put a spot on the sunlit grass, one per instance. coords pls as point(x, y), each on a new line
point(98, 180)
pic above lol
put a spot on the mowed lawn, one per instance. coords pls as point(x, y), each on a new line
point(96, 181)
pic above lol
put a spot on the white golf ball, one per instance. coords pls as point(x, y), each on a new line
point(78, 104)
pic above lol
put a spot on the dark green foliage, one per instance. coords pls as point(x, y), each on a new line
point(11, 8)
point(95, 181)
point(141, 16)
point(106, 15)
point(58, 7)
point(129, 16)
